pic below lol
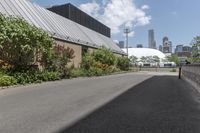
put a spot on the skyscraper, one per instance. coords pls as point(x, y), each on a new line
point(170, 46)
point(167, 45)
point(152, 42)
point(165, 39)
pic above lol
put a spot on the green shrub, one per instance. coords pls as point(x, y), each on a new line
point(49, 76)
point(100, 62)
point(93, 71)
point(105, 56)
point(123, 63)
point(7, 80)
point(87, 61)
point(23, 78)
point(22, 44)
point(112, 69)
point(2, 72)
point(78, 72)
point(35, 77)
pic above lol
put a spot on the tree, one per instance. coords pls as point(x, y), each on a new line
point(123, 63)
point(22, 45)
point(105, 56)
point(133, 59)
point(174, 58)
point(196, 49)
point(156, 59)
point(144, 59)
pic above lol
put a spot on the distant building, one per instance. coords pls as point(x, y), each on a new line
point(139, 46)
point(170, 47)
point(152, 42)
point(179, 48)
point(167, 45)
point(121, 44)
point(183, 51)
point(187, 49)
point(165, 39)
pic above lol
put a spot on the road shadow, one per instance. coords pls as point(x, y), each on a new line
point(161, 104)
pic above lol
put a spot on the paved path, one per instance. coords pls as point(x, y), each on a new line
point(162, 104)
point(48, 107)
point(110, 104)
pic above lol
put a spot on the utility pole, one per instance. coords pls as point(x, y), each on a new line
point(127, 31)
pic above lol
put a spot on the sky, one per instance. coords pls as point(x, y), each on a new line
point(179, 20)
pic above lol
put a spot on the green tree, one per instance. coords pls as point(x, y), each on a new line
point(174, 58)
point(104, 56)
point(156, 59)
point(133, 59)
point(123, 63)
point(22, 45)
point(196, 49)
point(144, 59)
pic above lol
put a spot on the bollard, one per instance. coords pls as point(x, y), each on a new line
point(179, 75)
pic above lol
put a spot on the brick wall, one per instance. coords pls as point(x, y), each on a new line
point(191, 73)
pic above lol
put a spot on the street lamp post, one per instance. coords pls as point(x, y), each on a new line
point(127, 31)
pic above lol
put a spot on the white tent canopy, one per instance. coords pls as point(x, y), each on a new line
point(139, 52)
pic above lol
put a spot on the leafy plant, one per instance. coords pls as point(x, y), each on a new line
point(22, 45)
point(133, 59)
point(174, 58)
point(105, 56)
point(6, 80)
point(60, 59)
point(78, 72)
point(196, 49)
point(88, 61)
point(123, 63)
point(100, 62)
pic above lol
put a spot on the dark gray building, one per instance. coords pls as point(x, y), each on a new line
point(139, 46)
point(73, 13)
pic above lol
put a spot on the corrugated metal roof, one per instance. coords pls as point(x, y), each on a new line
point(56, 25)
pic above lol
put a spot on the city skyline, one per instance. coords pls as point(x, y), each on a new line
point(167, 18)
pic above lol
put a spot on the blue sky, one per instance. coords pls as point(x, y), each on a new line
point(177, 19)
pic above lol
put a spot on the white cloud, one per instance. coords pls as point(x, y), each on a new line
point(116, 41)
point(131, 34)
point(145, 7)
point(118, 13)
point(91, 8)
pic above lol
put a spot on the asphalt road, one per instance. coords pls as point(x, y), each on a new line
point(162, 104)
point(124, 103)
point(50, 107)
